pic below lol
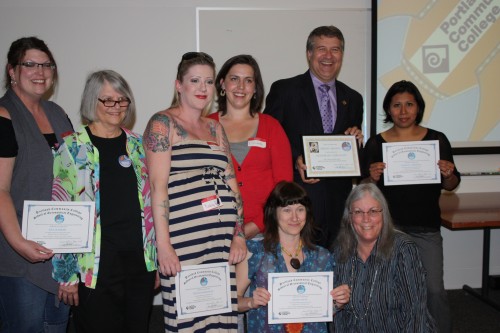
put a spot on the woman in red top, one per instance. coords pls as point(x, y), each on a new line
point(260, 148)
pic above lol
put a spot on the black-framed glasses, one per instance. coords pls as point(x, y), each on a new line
point(33, 65)
point(109, 103)
point(192, 55)
point(358, 213)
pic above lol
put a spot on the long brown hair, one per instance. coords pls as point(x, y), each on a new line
point(257, 99)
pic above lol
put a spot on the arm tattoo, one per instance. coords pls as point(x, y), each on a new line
point(213, 129)
point(239, 201)
point(156, 136)
point(238, 228)
point(166, 206)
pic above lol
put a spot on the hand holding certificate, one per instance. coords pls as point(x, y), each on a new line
point(63, 227)
point(300, 297)
point(411, 162)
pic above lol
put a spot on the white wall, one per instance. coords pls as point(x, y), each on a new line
point(144, 40)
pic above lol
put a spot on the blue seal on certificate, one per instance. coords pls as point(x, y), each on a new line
point(301, 289)
point(411, 155)
point(346, 146)
point(204, 281)
point(59, 218)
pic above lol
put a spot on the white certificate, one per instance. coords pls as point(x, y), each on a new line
point(411, 162)
point(62, 226)
point(203, 290)
point(331, 156)
point(300, 297)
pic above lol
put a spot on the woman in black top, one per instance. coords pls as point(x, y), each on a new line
point(415, 208)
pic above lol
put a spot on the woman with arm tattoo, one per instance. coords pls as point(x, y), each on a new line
point(197, 208)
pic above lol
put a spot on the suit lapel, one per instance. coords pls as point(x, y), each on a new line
point(342, 107)
point(310, 100)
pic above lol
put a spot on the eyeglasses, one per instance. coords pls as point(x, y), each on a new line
point(192, 55)
point(109, 103)
point(34, 65)
point(374, 212)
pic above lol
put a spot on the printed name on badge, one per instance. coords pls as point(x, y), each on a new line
point(211, 202)
point(257, 142)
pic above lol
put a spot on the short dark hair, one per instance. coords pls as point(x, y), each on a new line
point(17, 51)
point(243, 59)
point(328, 31)
point(399, 88)
point(286, 193)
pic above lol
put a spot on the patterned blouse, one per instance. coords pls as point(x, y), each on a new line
point(76, 178)
point(261, 263)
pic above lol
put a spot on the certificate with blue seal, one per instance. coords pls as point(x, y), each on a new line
point(300, 297)
point(411, 162)
point(203, 290)
point(330, 156)
point(62, 226)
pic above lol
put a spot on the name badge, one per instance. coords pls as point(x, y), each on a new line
point(213, 145)
point(257, 142)
point(211, 202)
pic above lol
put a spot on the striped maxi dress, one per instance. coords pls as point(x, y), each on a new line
point(198, 236)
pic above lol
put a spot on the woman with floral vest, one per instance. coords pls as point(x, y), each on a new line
point(104, 162)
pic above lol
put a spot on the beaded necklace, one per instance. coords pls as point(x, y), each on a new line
point(351, 282)
point(294, 260)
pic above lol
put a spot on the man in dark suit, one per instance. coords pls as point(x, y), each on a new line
point(316, 103)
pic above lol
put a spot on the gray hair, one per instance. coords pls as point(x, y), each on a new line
point(346, 241)
point(93, 86)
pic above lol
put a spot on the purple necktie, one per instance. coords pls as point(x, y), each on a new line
point(326, 109)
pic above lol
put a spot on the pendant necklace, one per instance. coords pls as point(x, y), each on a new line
point(294, 260)
point(351, 285)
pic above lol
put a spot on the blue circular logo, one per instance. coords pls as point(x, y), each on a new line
point(301, 289)
point(346, 146)
point(59, 218)
point(204, 281)
point(411, 155)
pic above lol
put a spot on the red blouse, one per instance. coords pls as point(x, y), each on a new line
point(268, 162)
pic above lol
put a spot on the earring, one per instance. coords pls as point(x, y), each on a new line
point(223, 92)
point(254, 96)
point(12, 81)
